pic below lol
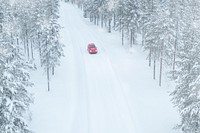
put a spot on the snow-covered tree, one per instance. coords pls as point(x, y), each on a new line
point(170, 32)
point(187, 72)
point(159, 36)
point(14, 81)
point(51, 48)
point(23, 23)
point(22, 11)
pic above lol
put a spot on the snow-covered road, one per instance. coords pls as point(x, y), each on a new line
point(105, 106)
point(108, 92)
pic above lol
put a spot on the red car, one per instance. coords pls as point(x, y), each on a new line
point(92, 49)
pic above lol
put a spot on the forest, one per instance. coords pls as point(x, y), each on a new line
point(25, 26)
point(169, 30)
point(170, 33)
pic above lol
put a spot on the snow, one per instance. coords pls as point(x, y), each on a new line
point(109, 92)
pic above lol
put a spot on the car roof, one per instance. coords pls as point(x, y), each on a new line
point(91, 44)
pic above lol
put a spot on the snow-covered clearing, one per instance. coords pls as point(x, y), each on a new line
point(109, 92)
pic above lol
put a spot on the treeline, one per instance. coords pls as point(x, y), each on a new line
point(26, 27)
point(170, 32)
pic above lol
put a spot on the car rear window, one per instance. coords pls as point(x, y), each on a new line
point(92, 46)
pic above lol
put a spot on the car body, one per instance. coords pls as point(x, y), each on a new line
point(92, 49)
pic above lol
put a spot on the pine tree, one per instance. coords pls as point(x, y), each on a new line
point(14, 97)
point(159, 37)
point(51, 48)
point(186, 94)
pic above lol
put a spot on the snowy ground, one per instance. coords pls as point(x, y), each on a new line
point(109, 92)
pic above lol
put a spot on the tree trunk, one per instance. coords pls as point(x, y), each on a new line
point(160, 77)
point(98, 20)
point(48, 79)
point(27, 45)
point(175, 48)
point(131, 39)
point(28, 50)
point(114, 21)
point(11, 38)
point(52, 70)
point(90, 18)
point(24, 40)
point(154, 68)
point(102, 21)
point(122, 37)
point(174, 63)
point(161, 59)
point(32, 50)
point(105, 23)
point(84, 14)
point(17, 45)
point(40, 51)
point(143, 38)
point(109, 25)
point(150, 55)
point(95, 19)
point(120, 25)
point(47, 65)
